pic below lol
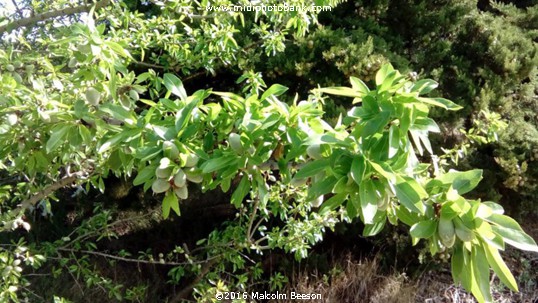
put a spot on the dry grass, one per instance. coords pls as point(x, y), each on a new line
point(354, 282)
point(362, 281)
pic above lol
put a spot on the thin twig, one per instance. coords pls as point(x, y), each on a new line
point(19, 11)
point(250, 233)
point(257, 225)
point(73, 276)
point(129, 260)
point(95, 232)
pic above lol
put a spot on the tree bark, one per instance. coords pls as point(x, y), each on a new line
point(49, 15)
point(47, 191)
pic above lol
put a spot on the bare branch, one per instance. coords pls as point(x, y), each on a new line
point(52, 14)
point(47, 191)
point(19, 11)
point(130, 260)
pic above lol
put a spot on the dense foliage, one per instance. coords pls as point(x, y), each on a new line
point(97, 91)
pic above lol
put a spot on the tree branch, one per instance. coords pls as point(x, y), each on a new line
point(47, 191)
point(52, 14)
point(17, 8)
point(130, 260)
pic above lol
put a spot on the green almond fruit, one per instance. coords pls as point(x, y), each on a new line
point(93, 96)
point(314, 151)
point(194, 176)
point(163, 173)
point(160, 186)
point(134, 95)
point(17, 64)
point(29, 68)
point(125, 102)
point(170, 150)
point(192, 160)
point(235, 142)
point(10, 68)
point(180, 179)
point(72, 62)
point(12, 119)
point(446, 232)
point(17, 77)
point(182, 192)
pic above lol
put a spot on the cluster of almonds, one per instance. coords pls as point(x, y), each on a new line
point(15, 68)
point(93, 96)
point(170, 177)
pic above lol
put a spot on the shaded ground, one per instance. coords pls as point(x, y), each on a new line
point(344, 268)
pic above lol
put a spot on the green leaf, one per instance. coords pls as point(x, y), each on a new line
point(424, 86)
point(322, 187)
point(481, 274)
point(495, 207)
point(467, 275)
point(462, 182)
point(111, 142)
point(359, 86)
point(375, 124)
point(312, 168)
point(384, 170)
point(394, 140)
point(382, 74)
point(388, 82)
point(410, 194)
point(341, 91)
point(183, 116)
point(274, 90)
point(119, 113)
point(118, 49)
point(441, 102)
point(504, 221)
point(57, 137)
point(175, 86)
point(333, 202)
point(85, 134)
point(516, 238)
point(240, 192)
point(406, 216)
point(217, 164)
point(497, 263)
point(144, 175)
point(423, 229)
point(341, 186)
point(170, 202)
point(375, 228)
point(358, 167)
point(450, 210)
point(368, 199)
point(353, 205)
point(456, 264)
